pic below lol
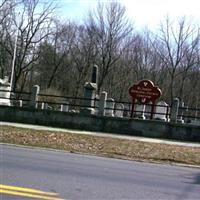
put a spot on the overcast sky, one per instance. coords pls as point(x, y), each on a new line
point(142, 12)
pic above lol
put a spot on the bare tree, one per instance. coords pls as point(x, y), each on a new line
point(110, 27)
point(83, 54)
point(176, 43)
point(31, 25)
point(189, 62)
point(6, 8)
point(62, 40)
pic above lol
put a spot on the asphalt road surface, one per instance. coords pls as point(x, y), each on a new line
point(27, 173)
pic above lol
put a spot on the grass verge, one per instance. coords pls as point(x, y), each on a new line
point(101, 146)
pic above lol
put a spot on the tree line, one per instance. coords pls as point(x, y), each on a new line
point(59, 55)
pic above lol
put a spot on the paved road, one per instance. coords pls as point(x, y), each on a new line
point(74, 177)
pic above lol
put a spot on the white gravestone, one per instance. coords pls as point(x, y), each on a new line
point(102, 103)
point(148, 108)
point(127, 110)
point(44, 106)
point(119, 110)
point(20, 103)
point(110, 104)
point(161, 111)
point(96, 104)
point(139, 111)
point(64, 108)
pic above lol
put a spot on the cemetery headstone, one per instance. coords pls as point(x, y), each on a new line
point(174, 110)
point(89, 95)
point(34, 96)
point(180, 112)
point(110, 105)
point(161, 111)
point(97, 105)
point(148, 108)
point(102, 103)
point(95, 74)
point(119, 112)
point(64, 108)
point(139, 111)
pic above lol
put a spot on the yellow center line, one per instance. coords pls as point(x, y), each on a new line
point(22, 189)
point(4, 191)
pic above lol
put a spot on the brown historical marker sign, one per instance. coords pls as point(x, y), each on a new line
point(145, 92)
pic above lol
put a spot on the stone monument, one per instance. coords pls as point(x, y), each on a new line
point(161, 111)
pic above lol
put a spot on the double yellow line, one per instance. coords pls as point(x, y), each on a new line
point(28, 192)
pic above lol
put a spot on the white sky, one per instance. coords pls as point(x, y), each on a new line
point(143, 12)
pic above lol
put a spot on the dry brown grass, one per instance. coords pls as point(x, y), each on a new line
point(101, 146)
